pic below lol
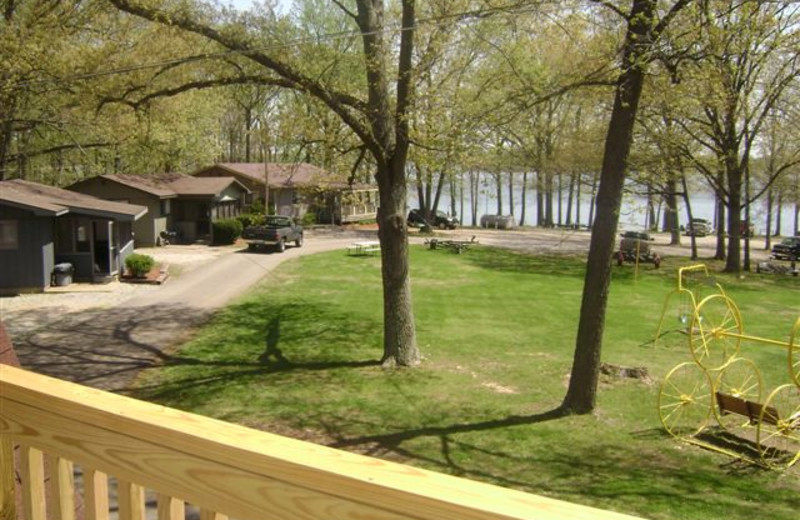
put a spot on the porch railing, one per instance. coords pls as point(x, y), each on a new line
point(222, 468)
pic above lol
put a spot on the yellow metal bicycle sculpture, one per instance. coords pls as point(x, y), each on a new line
point(719, 382)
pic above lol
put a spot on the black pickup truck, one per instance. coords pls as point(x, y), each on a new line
point(276, 231)
point(788, 249)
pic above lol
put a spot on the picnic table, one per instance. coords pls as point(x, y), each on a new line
point(456, 245)
point(362, 248)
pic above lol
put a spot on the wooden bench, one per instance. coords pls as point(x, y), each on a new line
point(754, 412)
point(456, 245)
point(363, 248)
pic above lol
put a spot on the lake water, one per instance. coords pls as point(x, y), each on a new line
point(633, 215)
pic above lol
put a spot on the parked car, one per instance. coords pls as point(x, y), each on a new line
point(440, 220)
point(498, 221)
point(788, 249)
point(276, 231)
point(700, 227)
point(635, 246)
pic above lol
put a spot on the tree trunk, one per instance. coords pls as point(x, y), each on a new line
point(438, 194)
point(421, 199)
point(582, 391)
point(524, 197)
point(746, 226)
point(689, 216)
point(453, 195)
point(540, 217)
point(570, 194)
point(461, 199)
point(768, 231)
point(399, 334)
point(592, 200)
point(498, 177)
point(389, 126)
point(548, 201)
point(511, 193)
point(733, 262)
point(559, 198)
point(719, 222)
point(671, 214)
point(6, 136)
point(652, 219)
point(578, 202)
point(474, 191)
point(248, 122)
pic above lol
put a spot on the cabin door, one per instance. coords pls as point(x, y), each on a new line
point(105, 248)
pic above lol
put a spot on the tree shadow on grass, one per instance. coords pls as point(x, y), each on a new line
point(497, 259)
point(601, 472)
point(108, 348)
point(261, 339)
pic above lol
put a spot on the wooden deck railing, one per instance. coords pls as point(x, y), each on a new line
point(223, 469)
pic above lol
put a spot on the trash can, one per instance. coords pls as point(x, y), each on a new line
point(62, 274)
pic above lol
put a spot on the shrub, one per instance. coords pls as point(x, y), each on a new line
point(257, 207)
point(309, 219)
point(248, 219)
point(139, 265)
point(226, 231)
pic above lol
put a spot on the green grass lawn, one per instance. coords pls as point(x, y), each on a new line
point(298, 356)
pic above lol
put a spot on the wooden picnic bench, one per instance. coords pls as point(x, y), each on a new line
point(369, 247)
point(456, 245)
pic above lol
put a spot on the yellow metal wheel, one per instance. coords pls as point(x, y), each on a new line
point(778, 433)
point(684, 401)
point(740, 378)
point(794, 353)
point(714, 335)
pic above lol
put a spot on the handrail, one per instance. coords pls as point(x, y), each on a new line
point(232, 470)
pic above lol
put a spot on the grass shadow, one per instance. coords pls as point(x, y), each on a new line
point(259, 338)
point(497, 259)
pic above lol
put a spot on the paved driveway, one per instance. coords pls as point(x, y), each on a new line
point(106, 346)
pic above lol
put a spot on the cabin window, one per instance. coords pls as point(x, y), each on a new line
point(165, 207)
point(82, 244)
point(9, 234)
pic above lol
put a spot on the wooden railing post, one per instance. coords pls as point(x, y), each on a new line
point(8, 500)
point(32, 470)
point(8, 477)
point(205, 514)
point(170, 508)
point(95, 484)
point(62, 488)
point(131, 500)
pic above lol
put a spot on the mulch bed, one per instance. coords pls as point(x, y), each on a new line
point(157, 275)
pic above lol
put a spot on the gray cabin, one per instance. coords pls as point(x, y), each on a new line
point(43, 226)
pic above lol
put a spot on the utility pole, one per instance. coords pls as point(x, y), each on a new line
point(266, 171)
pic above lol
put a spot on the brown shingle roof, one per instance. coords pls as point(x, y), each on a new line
point(49, 200)
point(169, 185)
point(282, 175)
point(152, 184)
point(211, 186)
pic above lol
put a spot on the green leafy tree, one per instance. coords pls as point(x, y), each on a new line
point(750, 57)
point(644, 26)
point(378, 112)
